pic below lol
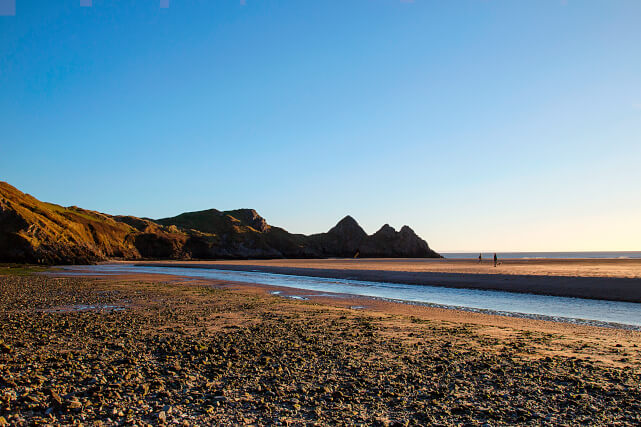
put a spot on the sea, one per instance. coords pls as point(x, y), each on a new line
point(544, 255)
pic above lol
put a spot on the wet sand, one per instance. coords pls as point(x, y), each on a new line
point(205, 352)
point(621, 268)
point(615, 280)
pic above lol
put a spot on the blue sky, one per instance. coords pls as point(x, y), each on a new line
point(483, 124)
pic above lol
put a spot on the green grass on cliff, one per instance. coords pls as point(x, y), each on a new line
point(21, 269)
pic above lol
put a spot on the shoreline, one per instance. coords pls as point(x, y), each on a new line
point(413, 272)
point(213, 352)
point(357, 300)
point(364, 302)
point(374, 306)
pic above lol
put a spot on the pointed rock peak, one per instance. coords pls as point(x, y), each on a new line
point(406, 230)
point(348, 220)
point(348, 225)
point(387, 229)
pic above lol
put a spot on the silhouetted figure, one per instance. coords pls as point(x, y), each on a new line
point(480, 258)
point(496, 260)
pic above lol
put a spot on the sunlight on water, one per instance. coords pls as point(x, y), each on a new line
point(507, 303)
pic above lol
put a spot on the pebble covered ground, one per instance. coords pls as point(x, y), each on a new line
point(82, 351)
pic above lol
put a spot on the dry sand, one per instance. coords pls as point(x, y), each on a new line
point(609, 279)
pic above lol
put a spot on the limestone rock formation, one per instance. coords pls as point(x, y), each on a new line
point(39, 232)
point(388, 242)
point(343, 240)
point(348, 239)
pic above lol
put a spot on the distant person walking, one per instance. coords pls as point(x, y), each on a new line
point(480, 258)
point(496, 259)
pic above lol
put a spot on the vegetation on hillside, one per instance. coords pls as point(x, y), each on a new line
point(44, 233)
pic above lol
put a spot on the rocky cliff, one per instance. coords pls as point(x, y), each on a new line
point(39, 232)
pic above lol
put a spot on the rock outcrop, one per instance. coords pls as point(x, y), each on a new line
point(343, 240)
point(389, 242)
point(348, 239)
point(38, 232)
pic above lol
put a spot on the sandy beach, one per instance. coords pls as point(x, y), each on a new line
point(614, 268)
point(150, 349)
point(608, 279)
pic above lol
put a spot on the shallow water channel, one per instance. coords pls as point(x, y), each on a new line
point(575, 310)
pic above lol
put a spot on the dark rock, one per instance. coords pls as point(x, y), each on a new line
point(347, 239)
point(55, 398)
point(4, 348)
point(250, 218)
point(37, 232)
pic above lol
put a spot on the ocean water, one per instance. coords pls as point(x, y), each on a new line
point(543, 255)
point(564, 309)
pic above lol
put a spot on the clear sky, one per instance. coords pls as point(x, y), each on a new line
point(482, 124)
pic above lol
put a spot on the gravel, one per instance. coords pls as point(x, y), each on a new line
point(168, 353)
